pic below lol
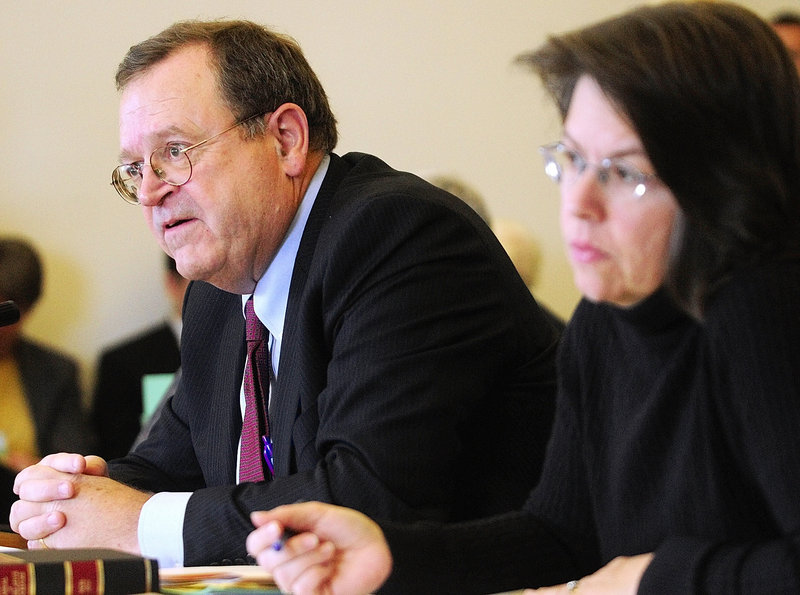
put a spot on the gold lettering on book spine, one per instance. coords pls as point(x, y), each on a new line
point(31, 578)
point(148, 573)
point(101, 577)
point(67, 578)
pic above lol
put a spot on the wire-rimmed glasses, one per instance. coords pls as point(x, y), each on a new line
point(170, 163)
point(563, 164)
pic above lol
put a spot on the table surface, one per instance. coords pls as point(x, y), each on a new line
point(9, 539)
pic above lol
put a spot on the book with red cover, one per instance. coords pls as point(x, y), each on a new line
point(76, 572)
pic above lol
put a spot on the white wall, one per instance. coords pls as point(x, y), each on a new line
point(426, 85)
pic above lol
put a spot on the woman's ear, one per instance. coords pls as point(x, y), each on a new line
point(289, 126)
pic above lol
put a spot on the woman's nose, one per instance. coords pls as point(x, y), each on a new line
point(584, 196)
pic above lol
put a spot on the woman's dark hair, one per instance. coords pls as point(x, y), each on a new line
point(20, 273)
point(715, 98)
point(258, 70)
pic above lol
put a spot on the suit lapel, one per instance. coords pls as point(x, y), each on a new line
point(285, 404)
point(230, 383)
point(213, 382)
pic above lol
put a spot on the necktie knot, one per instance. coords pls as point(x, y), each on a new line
point(255, 331)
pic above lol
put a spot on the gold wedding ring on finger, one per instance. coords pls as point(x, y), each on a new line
point(43, 544)
point(572, 586)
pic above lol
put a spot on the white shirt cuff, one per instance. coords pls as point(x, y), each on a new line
point(161, 528)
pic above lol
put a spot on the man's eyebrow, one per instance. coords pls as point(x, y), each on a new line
point(124, 157)
point(160, 137)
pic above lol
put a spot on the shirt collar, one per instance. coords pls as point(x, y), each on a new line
point(272, 290)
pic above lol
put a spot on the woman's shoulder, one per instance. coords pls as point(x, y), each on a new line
point(38, 354)
point(762, 299)
point(775, 282)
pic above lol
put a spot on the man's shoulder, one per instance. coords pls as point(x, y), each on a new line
point(363, 181)
point(369, 170)
point(361, 161)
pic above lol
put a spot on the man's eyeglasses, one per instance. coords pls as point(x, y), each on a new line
point(170, 163)
point(564, 165)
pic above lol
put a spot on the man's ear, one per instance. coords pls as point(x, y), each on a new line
point(289, 126)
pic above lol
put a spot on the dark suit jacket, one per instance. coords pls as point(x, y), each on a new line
point(416, 377)
point(50, 381)
point(117, 402)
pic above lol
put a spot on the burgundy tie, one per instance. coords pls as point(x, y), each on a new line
point(256, 445)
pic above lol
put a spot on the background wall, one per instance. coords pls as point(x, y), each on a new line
point(427, 86)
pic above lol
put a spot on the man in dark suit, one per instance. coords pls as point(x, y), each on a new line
point(117, 403)
point(413, 371)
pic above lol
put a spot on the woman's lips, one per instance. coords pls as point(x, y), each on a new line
point(586, 253)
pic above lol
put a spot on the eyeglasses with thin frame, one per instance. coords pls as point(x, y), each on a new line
point(564, 165)
point(170, 163)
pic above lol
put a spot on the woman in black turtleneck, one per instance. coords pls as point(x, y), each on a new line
point(674, 466)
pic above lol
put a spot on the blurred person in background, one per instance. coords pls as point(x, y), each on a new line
point(518, 241)
point(787, 26)
point(40, 395)
point(127, 369)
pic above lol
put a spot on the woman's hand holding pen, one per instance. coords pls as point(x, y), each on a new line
point(336, 551)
